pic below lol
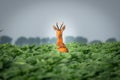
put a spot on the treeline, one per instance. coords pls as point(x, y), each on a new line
point(37, 40)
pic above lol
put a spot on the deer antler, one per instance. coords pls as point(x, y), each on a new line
point(57, 25)
point(61, 25)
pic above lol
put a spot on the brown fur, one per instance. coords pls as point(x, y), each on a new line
point(61, 46)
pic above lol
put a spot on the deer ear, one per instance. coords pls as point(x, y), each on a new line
point(55, 28)
point(63, 28)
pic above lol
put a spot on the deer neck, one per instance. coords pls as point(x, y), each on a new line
point(59, 39)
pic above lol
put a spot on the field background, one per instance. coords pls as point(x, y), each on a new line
point(27, 40)
point(98, 61)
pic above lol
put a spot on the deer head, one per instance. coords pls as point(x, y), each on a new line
point(59, 30)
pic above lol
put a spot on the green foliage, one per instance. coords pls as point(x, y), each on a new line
point(100, 61)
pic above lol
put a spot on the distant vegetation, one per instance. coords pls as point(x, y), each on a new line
point(38, 41)
point(99, 61)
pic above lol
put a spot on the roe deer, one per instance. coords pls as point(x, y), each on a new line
point(61, 46)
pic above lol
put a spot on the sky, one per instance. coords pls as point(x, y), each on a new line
point(92, 19)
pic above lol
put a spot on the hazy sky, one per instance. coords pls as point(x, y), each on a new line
point(93, 19)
